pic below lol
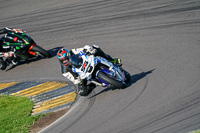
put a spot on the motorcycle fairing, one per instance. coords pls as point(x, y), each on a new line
point(30, 48)
point(31, 52)
point(16, 39)
point(89, 64)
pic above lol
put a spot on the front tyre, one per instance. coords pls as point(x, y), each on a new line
point(40, 51)
point(112, 81)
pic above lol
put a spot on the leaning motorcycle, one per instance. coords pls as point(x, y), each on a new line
point(99, 71)
point(22, 47)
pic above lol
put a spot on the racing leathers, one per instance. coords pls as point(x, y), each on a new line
point(83, 88)
point(5, 51)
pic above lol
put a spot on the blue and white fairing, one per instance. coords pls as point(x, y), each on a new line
point(87, 67)
point(90, 62)
point(119, 74)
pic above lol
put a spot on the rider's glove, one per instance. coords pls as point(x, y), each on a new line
point(89, 49)
point(8, 54)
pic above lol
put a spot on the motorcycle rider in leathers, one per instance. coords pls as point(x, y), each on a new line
point(5, 50)
point(66, 69)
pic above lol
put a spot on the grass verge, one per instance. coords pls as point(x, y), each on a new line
point(15, 114)
point(197, 131)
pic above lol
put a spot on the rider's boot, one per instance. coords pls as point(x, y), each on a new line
point(99, 52)
point(117, 61)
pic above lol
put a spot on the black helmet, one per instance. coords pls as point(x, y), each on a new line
point(76, 61)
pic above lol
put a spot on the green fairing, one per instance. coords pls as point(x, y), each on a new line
point(22, 39)
point(17, 47)
point(14, 44)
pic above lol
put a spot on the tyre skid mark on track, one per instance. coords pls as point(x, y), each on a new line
point(131, 102)
point(76, 109)
point(90, 104)
point(154, 118)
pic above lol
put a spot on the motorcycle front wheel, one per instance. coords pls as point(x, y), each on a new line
point(110, 80)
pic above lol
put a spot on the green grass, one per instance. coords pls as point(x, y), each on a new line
point(15, 114)
point(197, 131)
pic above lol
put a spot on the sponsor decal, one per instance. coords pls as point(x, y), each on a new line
point(15, 39)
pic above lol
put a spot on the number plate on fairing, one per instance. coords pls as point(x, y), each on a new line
point(84, 66)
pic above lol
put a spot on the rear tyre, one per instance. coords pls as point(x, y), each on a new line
point(84, 90)
point(112, 81)
point(3, 65)
point(42, 52)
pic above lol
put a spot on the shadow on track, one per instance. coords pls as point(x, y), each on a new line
point(134, 79)
point(54, 51)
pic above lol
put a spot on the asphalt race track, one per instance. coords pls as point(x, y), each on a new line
point(157, 40)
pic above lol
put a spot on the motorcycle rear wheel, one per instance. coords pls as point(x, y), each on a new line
point(3, 65)
point(110, 80)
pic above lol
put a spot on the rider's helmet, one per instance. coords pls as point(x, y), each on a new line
point(63, 56)
point(76, 61)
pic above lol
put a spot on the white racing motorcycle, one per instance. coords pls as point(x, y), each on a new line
point(99, 71)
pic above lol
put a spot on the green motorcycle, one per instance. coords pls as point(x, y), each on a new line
point(22, 48)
